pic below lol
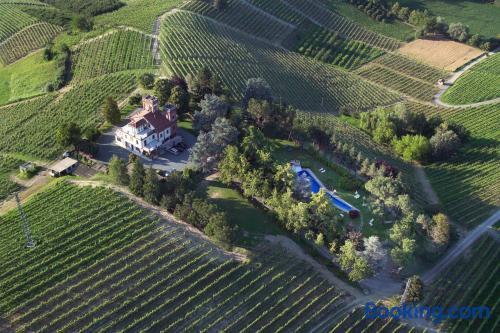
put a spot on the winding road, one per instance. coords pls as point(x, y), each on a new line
point(454, 77)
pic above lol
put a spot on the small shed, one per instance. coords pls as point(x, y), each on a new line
point(63, 167)
point(27, 167)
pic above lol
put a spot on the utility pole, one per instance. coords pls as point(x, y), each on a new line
point(29, 240)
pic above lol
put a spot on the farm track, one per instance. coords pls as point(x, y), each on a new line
point(436, 100)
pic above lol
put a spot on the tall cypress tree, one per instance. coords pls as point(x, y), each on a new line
point(151, 187)
point(137, 178)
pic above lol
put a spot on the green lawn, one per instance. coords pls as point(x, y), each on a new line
point(482, 18)
point(285, 151)
point(253, 221)
point(397, 29)
point(26, 78)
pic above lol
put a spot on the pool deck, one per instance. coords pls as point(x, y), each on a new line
point(323, 186)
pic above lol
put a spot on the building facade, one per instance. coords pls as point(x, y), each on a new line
point(150, 129)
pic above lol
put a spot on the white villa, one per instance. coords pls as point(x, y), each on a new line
point(149, 129)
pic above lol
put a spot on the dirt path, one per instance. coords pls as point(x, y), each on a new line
point(32, 186)
point(291, 247)
point(436, 100)
point(432, 198)
point(459, 248)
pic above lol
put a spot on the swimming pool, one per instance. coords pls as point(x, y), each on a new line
point(316, 187)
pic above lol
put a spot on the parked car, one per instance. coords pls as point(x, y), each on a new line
point(179, 148)
point(162, 173)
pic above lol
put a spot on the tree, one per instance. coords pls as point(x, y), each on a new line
point(162, 90)
point(147, 80)
point(253, 142)
point(323, 214)
point(81, 23)
point(117, 170)
point(284, 178)
point(232, 166)
point(412, 147)
point(302, 189)
point(458, 31)
point(374, 251)
point(220, 230)
point(403, 254)
point(258, 89)
point(351, 262)
point(320, 240)
point(151, 187)
point(440, 230)
point(384, 131)
point(136, 184)
point(207, 151)
point(135, 99)
point(68, 134)
point(110, 111)
point(444, 143)
point(203, 83)
point(180, 98)
point(415, 290)
point(212, 107)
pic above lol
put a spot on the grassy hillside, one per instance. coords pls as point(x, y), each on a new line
point(26, 78)
point(480, 83)
point(235, 58)
point(482, 18)
point(117, 267)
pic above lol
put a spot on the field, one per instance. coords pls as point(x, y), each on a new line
point(404, 75)
point(41, 117)
point(140, 14)
point(116, 267)
point(356, 321)
point(27, 40)
point(444, 54)
point(26, 78)
point(480, 83)
point(118, 51)
point(468, 184)
point(396, 29)
point(328, 47)
point(472, 280)
point(7, 165)
point(12, 19)
point(301, 82)
point(238, 14)
point(481, 17)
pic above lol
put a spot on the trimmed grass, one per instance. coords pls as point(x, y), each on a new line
point(254, 222)
point(26, 78)
point(481, 18)
point(397, 30)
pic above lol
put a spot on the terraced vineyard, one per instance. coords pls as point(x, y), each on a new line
point(404, 75)
point(119, 51)
point(473, 280)
point(115, 267)
point(356, 321)
point(327, 46)
point(236, 58)
point(7, 164)
point(468, 184)
point(41, 117)
point(322, 16)
point(12, 20)
point(27, 40)
point(238, 14)
point(480, 83)
point(280, 10)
